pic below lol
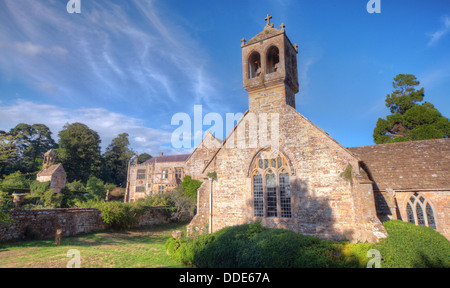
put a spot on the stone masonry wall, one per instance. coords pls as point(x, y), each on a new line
point(323, 203)
point(73, 222)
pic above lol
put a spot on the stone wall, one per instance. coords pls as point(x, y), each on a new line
point(324, 204)
point(44, 223)
point(392, 205)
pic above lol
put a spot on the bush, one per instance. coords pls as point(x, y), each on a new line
point(50, 199)
point(38, 188)
point(16, 180)
point(96, 187)
point(6, 201)
point(5, 219)
point(190, 187)
point(115, 215)
point(411, 246)
point(253, 246)
point(76, 186)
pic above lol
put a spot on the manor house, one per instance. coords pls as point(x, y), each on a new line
point(279, 168)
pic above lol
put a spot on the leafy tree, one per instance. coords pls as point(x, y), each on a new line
point(34, 141)
point(96, 187)
point(409, 119)
point(79, 151)
point(8, 149)
point(116, 159)
point(144, 157)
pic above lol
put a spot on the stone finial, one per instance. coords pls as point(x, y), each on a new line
point(296, 48)
point(243, 42)
point(282, 26)
point(268, 25)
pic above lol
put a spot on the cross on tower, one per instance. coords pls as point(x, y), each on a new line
point(268, 19)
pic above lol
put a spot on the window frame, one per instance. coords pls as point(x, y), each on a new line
point(141, 175)
point(414, 202)
point(282, 212)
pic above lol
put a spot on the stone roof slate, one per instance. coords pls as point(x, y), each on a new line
point(265, 34)
point(167, 158)
point(407, 165)
point(50, 170)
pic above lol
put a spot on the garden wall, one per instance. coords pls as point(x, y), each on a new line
point(44, 223)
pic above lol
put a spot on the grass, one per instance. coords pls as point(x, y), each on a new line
point(137, 248)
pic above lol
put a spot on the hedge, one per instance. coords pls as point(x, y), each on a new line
point(253, 246)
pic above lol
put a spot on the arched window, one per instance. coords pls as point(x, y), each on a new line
point(254, 65)
point(420, 212)
point(271, 186)
point(273, 60)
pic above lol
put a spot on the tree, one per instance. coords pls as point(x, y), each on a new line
point(79, 151)
point(8, 149)
point(409, 120)
point(116, 160)
point(144, 157)
point(34, 141)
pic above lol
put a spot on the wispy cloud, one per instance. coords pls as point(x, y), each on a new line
point(444, 30)
point(124, 54)
point(108, 124)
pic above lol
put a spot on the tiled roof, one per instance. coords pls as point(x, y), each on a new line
point(265, 34)
point(167, 158)
point(407, 165)
point(50, 170)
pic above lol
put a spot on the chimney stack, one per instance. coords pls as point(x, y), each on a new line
point(161, 154)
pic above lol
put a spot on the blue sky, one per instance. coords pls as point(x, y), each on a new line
point(129, 66)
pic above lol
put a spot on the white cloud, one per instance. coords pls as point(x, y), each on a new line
point(30, 49)
point(436, 36)
point(106, 123)
point(123, 55)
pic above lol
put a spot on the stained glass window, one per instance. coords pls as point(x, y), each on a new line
point(430, 217)
point(258, 195)
point(271, 186)
point(285, 195)
point(419, 213)
point(410, 213)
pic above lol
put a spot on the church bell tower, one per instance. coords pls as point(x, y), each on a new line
point(269, 63)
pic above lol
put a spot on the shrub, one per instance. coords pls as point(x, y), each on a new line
point(115, 215)
point(6, 201)
point(50, 199)
point(190, 186)
point(76, 186)
point(38, 188)
point(16, 180)
point(253, 246)
point(411, 246)
point(5, 219)
point(96, 187)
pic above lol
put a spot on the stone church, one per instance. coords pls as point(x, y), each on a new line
point(279, 168)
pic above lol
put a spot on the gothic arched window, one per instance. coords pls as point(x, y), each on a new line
point(254, 65)
point(271, 186)
point(273, 60)
point(420, 212)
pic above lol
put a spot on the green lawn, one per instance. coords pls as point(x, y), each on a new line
point(134, 248)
